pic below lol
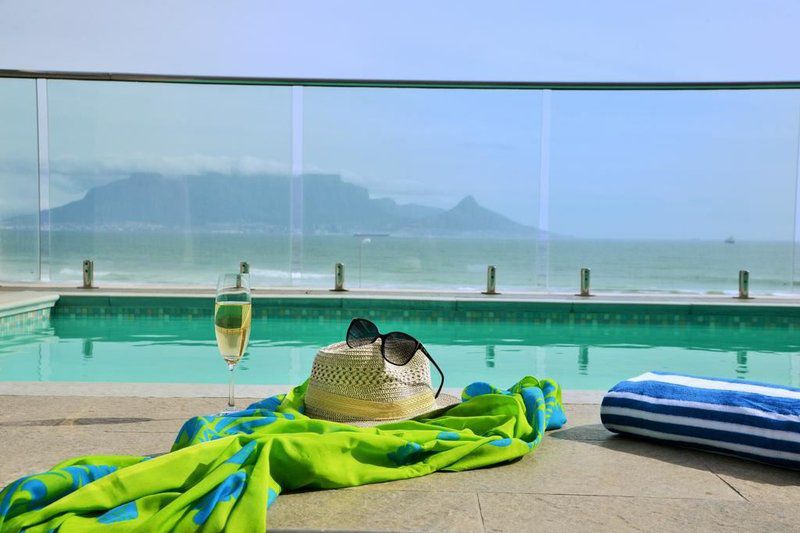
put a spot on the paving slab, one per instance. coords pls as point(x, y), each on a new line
point(525, 512)
point(621, 468)
point(351, 510)
point(756, 482)
point(38, 432)
point(586, 459)
point(22, 407)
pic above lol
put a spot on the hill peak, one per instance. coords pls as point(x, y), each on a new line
point(468, 201)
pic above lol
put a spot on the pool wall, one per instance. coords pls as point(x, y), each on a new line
point(23, 312)
point(433, 310)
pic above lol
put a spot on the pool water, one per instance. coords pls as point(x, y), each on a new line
point(281, 351)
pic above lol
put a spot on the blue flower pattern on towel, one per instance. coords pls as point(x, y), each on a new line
point(230, 489)
point(85, 474)
point(271, 495)
point(123, 513)
point(406, 454)
point(208, 428)
point(241, 456)
point(5, 503)
point(38, 492)
point(476, 389)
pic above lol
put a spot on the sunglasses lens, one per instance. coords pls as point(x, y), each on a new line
point(399, 348)
point(361, 332)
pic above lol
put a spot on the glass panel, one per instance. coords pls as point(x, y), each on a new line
point(673, 191)
point(421, 188)
point(168, 182)
point(19, 192)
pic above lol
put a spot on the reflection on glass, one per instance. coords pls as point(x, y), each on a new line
point(673, 191)
point(19, 196)
point(652, 190)
point(169, 183)
point(421, 188)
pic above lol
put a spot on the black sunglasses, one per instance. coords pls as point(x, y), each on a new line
point(396, 347)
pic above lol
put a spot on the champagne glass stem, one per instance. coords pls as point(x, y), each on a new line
point(231, 399)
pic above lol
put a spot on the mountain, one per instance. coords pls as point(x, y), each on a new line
point(468, 218)
point(214, 202)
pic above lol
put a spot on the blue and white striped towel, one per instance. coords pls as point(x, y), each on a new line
point(756, 421)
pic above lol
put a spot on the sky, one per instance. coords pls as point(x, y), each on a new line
point(621, 164)
point(580, 40)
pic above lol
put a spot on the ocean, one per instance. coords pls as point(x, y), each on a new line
point(382, 262)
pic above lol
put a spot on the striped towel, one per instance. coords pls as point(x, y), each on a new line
point(756, 421)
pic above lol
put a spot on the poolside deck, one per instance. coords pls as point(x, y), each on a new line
point(582, 477)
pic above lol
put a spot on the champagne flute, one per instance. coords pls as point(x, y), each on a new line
point(232, 317)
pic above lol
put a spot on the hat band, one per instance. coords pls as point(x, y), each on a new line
point(357, 409)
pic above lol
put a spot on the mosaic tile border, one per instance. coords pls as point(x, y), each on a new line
point(25, 322)
point(534, 313)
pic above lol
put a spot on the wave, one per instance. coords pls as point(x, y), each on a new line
point(78, 273)
point(285, 274)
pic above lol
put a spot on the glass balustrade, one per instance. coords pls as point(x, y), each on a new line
point(171, 183)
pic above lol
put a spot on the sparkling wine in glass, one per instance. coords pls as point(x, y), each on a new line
point(233, 313)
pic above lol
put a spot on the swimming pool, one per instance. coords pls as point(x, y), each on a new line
point(580, 356)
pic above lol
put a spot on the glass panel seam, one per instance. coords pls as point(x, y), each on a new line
point(796, 235)
point(296, 188)
point(543, 235)
point(43, 176)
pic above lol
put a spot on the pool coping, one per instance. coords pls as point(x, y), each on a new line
point(197, 390)
point(18, 302)
point(194, 297)
point(415, 294)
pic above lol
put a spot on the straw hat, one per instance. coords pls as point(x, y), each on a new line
point(356, 385)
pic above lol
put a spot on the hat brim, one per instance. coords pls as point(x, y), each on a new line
point(443, 402)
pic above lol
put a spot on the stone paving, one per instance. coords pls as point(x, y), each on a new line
point(581, 478)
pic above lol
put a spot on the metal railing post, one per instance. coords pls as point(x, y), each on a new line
point(491, 280)
point(744, 285)
point(586, 281)
point(338, 278)
point(88, 274)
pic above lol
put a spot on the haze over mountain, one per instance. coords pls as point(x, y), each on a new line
point(213, 202)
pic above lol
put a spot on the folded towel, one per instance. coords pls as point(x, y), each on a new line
point(224, 471)
point(748, 419)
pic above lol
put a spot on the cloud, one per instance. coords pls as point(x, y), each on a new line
point(71, 177)
point(116, 166)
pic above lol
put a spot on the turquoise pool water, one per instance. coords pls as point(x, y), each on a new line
point(183, 350)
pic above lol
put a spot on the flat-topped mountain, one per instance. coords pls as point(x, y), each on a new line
point(213, 202)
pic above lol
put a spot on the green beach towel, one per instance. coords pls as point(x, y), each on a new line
point(225, 471)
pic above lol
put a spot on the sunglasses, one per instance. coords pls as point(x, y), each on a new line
point(396, 347)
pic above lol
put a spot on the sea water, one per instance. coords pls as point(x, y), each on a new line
point(401, 262)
